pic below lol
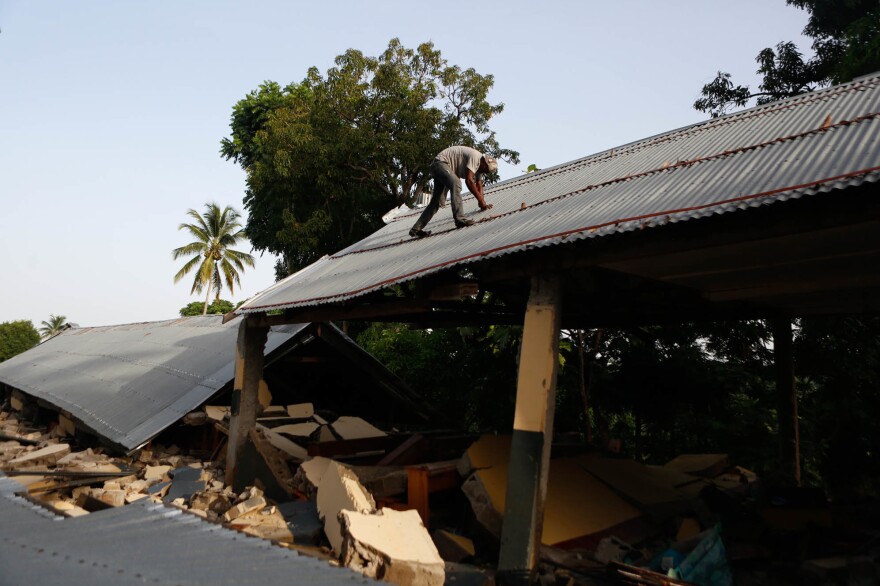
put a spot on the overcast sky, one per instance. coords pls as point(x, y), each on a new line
point(111, 113)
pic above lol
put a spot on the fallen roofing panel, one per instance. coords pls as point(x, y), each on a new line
point(817, 142)
point(130, 382)
point(140, 543)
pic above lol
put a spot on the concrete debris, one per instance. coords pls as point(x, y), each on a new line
point(301, 411)
point(349, 428)
point(251, 505)
point(340, 491)
point(391, 545)
point(633, 522)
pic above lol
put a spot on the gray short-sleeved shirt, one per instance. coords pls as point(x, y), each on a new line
point(460, 159)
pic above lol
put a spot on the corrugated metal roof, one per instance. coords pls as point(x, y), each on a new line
point(818, 142)
point(142, 543)
point(130, 382)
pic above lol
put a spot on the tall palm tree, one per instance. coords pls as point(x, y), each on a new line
point(214, 261)
point(55, 325)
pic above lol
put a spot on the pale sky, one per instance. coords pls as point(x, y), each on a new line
point(111, 113)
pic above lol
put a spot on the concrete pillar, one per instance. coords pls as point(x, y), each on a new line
point(532, 434)
point(787, 409)
point(248, 373)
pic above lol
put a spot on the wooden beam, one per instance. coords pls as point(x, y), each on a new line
point(532, 434)
point(248, 373)
point(787, 406)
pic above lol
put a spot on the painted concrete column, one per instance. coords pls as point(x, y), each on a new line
point(248, 373)
point(532, 434)
point(787, 407)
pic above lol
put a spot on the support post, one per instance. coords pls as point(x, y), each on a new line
point(787, 409)
point(248, 373)
point(532, 434)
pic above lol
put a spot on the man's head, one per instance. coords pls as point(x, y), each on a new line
point(490, 164)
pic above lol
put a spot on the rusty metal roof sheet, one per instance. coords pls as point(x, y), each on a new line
point(814, 143)
point(129, 382)
point(143, 543)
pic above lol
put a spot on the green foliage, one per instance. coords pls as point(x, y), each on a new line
point(16, 337)
point(326, 157)
point(220, 306)
point(846, 44)
point(55, 325)
point(664, 391)
point(469, 374)
point(211, 257)
point(838, 367)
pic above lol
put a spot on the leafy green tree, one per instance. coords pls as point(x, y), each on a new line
point(846, 44)
point(214, 261)
point(326, 157)
point(16, 337)
point(55, 325)
point(220, 306)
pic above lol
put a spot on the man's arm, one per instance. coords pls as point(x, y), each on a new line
point(476, 187)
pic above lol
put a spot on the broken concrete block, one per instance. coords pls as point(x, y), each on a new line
point(303, 430)
point(156, 472)
point(349, 428)
point(393, 546)
point(47, 456)
point(210, 501)
point(216, 413)
point(268, 526)
point(340, 490)
point(325, 434)
point(134, 496)
point(282, 443)
point(115, 498)
point(112, 485)
point(452, 547)
point(242, 508)
point(301, 411)
point(308, 476)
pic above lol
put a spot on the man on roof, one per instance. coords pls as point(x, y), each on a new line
point(448, 169)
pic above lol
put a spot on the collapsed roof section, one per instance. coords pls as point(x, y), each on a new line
point(127, 383)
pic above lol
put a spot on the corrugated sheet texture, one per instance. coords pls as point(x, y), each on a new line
point(142, 543)
point(813, 143)
point(129, 382)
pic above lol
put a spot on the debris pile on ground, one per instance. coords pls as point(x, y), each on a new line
point(427, 508)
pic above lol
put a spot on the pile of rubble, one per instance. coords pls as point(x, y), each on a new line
point(428, 508)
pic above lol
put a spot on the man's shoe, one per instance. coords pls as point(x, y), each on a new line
point(463, 223)
point(415, 233)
